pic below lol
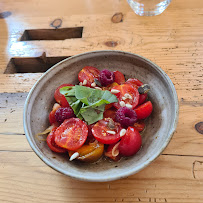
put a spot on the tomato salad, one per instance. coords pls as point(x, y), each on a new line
point(101, 116)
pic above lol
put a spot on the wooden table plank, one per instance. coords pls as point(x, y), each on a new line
point(168, 179)
point(173, 40)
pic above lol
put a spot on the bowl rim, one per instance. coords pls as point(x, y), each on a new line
point(123, 174)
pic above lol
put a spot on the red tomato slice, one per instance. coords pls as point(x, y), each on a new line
point(119, 77)
point(130, 143)
point(88, 73)
point(126, 89)
point(110, 113)
point(109, 87)
point(135, 82)
point(144, 110)
point(100, 131)
point(71, 134)
point(140, 125)
point(112, 152)
point(108, 106)
point(52, 118)
point(61, 98)
point(142, 98)
point(90, 137)
point(51, 143)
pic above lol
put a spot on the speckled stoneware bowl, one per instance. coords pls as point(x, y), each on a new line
point(160, 125)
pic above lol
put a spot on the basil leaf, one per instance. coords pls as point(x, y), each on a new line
point(76, 106)
point(68, 91)
point(92, 115)
point(71, 100)
point(82, 93)
point(90, 96)
point(87, 103)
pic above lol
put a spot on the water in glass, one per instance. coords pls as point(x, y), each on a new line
point(148, 7)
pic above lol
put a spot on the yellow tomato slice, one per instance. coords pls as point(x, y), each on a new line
point(89, 153)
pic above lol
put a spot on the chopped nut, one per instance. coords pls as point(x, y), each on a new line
point(111, 132)
point(93, 84)
point(124, 98)
point(128, 96)
point(129, 106)
point(115, 91)
point(74, 156)
point(122, 132)
point(122, 103)
point(84, 82)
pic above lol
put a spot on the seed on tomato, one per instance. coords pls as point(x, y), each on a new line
point(126, 89)
point(107, 131)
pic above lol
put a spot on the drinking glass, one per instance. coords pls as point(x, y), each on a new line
point(148, 7)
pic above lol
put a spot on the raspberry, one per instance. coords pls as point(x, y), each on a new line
point(64, 113)
point(106, 77)
point(126, 117)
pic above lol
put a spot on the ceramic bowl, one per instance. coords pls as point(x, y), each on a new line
point(160, 125)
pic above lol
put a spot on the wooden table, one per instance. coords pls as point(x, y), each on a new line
point(173, 40)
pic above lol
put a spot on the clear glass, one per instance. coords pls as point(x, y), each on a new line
point(148, 7)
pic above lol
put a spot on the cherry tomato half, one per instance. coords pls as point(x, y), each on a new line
point(112, 152)
point(126, 89)
point(101, 131)
point(52, 118)
point(109, 87)
point(119, 77)
point(110, 113)
point(51, 143)
point(90, 137)
point(130, 143)
point(89, 153)
point(144, 110)
point(135, 82)
point(143, 98)
point(88, 73)
point(71, 134)
point(140, 125)
point(61, 98)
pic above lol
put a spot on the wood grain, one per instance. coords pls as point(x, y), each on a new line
point(168, 179)
point(173, 40)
